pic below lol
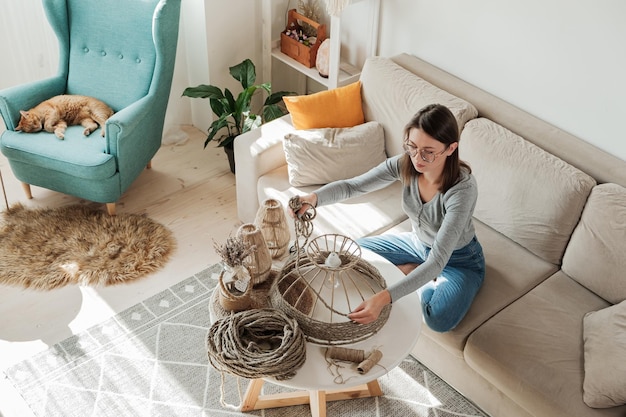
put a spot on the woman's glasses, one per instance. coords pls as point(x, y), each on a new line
point(426, 155)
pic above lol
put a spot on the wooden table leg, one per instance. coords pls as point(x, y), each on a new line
point(252, 395)
point(253, 400)
point(318, 403)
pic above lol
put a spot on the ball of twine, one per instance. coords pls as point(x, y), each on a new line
point(257, 343)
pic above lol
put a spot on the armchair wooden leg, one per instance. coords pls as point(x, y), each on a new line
point(149, 165)
point(26, 188)
point(111, 209)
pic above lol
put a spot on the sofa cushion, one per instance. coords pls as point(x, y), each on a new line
point(392, 95)
point(525, 193)
point(595, 256)
point(511, 272)
point(355, 217)
point(339, 107)
point(320, 156)
point(533, 351)
point(605, 357)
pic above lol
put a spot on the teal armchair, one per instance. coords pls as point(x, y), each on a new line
point(121, 52)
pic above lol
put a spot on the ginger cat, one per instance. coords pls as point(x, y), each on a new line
point(55, 114)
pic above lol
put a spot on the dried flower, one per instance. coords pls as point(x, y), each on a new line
point(234, 251)
point(310, 9)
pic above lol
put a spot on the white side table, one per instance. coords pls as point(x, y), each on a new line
point(395, 340)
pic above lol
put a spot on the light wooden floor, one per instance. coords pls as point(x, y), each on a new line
point(189, 189)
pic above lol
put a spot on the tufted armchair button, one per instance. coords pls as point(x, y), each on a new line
point(120, 56)
point(103, 53)
point(86, 50)
point(138, 60)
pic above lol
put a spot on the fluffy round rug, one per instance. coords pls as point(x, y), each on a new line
point(49, 248)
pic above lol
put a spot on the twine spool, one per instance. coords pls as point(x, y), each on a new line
point(346, 354)
point(259, 262)
point(271, 219)
point(257, 343)
point(369, 363)
point(232, 299)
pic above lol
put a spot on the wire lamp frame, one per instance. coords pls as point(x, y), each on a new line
point(323, 281)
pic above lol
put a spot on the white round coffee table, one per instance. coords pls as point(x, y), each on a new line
point(395, 340)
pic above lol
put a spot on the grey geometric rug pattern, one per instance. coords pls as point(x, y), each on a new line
point(150, 361)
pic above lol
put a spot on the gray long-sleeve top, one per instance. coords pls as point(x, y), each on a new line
point(443, 223)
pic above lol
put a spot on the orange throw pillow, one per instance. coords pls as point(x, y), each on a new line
point(339, 107)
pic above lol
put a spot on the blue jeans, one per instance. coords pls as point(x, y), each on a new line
point(446, 300)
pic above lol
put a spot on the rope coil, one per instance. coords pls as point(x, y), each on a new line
point(257, 343)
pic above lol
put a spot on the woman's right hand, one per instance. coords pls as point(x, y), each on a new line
point(308, 200)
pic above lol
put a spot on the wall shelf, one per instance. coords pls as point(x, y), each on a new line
point(340, 72)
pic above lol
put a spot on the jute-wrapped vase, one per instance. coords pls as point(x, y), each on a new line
point(231, 299)
point(259, 262)
point(271, 219)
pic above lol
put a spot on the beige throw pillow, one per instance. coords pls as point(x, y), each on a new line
point(320, 156)
point(605, 357)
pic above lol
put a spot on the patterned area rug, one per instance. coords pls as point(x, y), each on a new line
point(151, 360)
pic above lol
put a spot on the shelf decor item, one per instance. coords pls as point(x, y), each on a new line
point(296, 44)
point(259, 262)
point(271, 219)
point(322, 281)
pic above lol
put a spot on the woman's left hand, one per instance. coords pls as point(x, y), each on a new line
point(370, 309)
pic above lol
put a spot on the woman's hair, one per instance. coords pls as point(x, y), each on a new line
point(437, 121)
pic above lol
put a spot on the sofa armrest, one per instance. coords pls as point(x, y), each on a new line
point(258, 152)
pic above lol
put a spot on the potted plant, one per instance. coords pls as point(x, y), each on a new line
point(234, 116)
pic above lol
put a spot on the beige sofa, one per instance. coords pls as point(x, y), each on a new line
point(554, 241)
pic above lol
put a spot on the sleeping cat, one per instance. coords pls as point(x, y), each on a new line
point(55, 114)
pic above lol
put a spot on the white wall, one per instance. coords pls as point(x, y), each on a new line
point(561, 60)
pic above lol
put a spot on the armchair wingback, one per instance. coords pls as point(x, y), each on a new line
point(121, 52)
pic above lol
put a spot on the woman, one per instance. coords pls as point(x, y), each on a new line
point(441, 257)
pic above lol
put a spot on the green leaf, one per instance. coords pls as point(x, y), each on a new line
point(203, 91)
point(276, 98)
point(245, 73)
point(219, 107)
point(272, 112)
point(231, 100)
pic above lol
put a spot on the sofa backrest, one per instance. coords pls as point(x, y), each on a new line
point(524, 192)
point(391, 95)
point(601, 165)
point(596, 254)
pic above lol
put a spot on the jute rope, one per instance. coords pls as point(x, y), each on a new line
point(257, 344)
